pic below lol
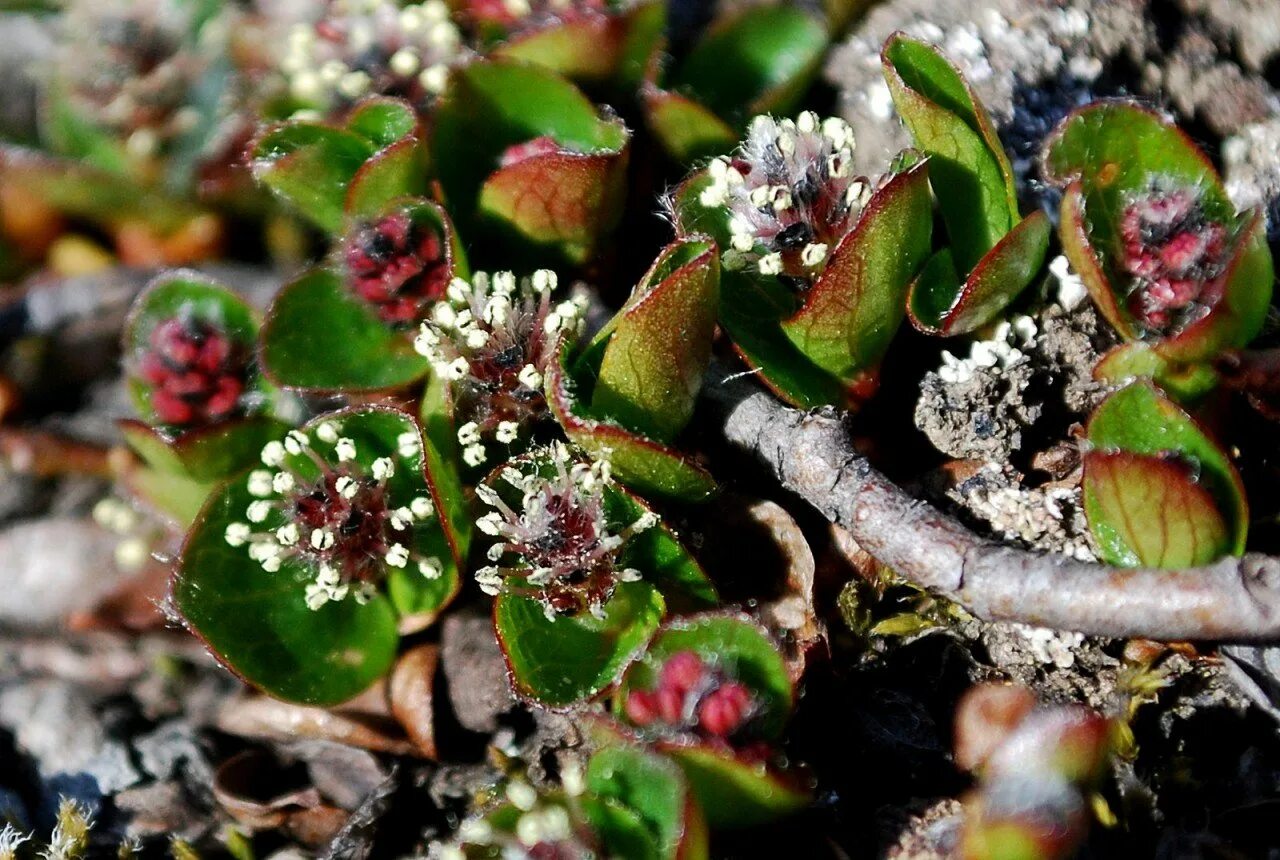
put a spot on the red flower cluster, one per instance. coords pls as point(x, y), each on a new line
point(196, 371)
point(1176, 256)
point(692, 697)
point(398, 266)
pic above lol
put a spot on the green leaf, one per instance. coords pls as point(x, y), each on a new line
point(654, 790)
point(1151, 512)
point(172, 495)
point(309, 166)
point(1186, 383)
point(688, 131)
point(642, 464)
point(259, 626)
point(1105, 153)
point(395, 172)
point(320, 335)
point(67, 132)
point(856, 306)
point(183, 294)
point(563, 661)
point(733, 792)
point(258, 623)
point(206, 455)
point(1139, 420)
point(383, 121)
point(656, 348)
point(563, 200)
point(970, 172)
point(658, 553)
point(940, 304)
point(760, 59)
point(444, 466)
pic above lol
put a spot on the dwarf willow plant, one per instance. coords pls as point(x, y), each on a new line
point(397, 427)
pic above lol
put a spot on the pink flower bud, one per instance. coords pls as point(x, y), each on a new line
point(196, 373)
point(682, 673)
point(723, 710)
point(398, 267)
point(641, 707)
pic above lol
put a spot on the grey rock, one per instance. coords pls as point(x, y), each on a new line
point(54, 567)
point(475, 671)
point(56, 724)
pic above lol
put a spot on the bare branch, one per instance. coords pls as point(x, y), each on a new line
point(812, 455)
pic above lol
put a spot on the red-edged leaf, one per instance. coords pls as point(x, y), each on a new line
point(855, 307)
point(1151, 512)
point(566, 199)
point(642, 464)
point(938, 304)
point(657, 347)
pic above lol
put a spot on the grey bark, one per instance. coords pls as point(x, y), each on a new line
point(812, 454)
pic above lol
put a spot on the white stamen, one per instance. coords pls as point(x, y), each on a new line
point(383, 468)
point(237, 534)
point(259, 483)
point(397, 556)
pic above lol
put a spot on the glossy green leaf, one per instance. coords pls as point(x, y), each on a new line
point(658, 553)
point(383, 121)
point(654, 790)
point(642, 464)
point(1151, 512)
point(309, 166)
point(940, 303)
point(1139, 420)
point(172, 496)
point(395, 172)
point(970, 172)
point(736, 793)
point(563, 200)
point(1105, 153)
point(258, 623)
point(656, 348)
point(759, 59)
point(856, 306)
point(444, 466)
point(563, 661)
point(1185, 383)
point(826, 350)
point(209, 454)
point(688, 131)
point(320, 335)
point(566, 199)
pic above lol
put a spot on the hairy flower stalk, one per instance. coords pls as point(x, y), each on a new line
point(324, 509)
point(197, 372)
point(492, 340)
point(1175, 255)
point(791, 195)
point(693, 697)
point(125, 68)
point(363, 47)
point(557, 546)
point(398, 266)
point(547, 828)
